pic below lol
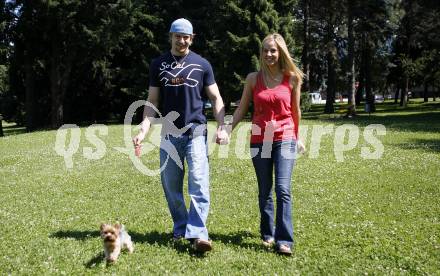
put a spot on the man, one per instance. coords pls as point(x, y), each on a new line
point(180, 80)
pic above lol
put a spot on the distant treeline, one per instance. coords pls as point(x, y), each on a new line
point(72, 61)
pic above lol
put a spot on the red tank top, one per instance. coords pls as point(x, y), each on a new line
point(272, 119)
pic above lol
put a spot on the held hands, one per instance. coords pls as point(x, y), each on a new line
point(223, 133)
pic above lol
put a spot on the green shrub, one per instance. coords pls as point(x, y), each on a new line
point(306, 102)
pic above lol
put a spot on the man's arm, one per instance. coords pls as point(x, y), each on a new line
point(217, 102)
point(213, 93)
point(149, 112)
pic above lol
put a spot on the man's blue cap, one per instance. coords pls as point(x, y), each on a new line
point(181, 25)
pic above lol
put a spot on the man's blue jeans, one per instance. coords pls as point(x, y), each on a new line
point(265, 157)
point(190, 224)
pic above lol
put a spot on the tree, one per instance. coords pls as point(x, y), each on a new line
point(427, 34)
point(351, 72)
point(130, 61)
point(305, 4)
point(331, 53)
point(27, 34)
point(3, 89)
point(86, 61)
point(235, 47)
point(321, 46)
point(102, 26)
point(405, 59)
point(416, 46)
point(60, 41)
point(3, 57)
point(6, 19)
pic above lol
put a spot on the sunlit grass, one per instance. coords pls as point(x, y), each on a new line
point(352, 217)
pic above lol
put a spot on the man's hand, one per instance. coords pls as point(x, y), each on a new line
point(222, 137)
point(137, 140)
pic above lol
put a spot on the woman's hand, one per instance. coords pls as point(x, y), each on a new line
point(300, 147)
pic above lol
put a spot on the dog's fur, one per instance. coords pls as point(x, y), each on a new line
point(115, 239)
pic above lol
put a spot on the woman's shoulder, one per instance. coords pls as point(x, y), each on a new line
point(294, 79)
point(252, 78)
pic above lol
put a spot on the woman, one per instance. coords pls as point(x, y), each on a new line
point(275, 93)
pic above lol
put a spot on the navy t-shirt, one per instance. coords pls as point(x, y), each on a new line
point(182, 88)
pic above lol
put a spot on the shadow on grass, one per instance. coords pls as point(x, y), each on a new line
point(238, 239)
point(10, 129)
point(432, 145)
point(423, 117)
point(77, 235)
point(81, 236)
point(153, 238)
point(165, 239)
point(415, 122)
point(95, 261)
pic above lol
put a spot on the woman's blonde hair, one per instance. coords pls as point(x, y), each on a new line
point(285, 61)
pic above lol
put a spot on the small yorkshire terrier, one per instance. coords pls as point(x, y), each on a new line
point(115, 239)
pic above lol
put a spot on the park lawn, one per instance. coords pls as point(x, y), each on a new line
point(357, 216)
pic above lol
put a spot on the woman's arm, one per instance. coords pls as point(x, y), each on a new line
point(295, 84)
point(246, 98)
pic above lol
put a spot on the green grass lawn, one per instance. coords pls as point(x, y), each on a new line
point(357, 216)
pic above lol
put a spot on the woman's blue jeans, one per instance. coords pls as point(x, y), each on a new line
point(189, 224)
point(278, 155)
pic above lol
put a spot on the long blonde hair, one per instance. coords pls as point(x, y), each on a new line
point(285, 61)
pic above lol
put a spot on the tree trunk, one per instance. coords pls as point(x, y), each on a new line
point(331, 82)
point(404, 94)
point(351, 66)
point(361, 86)
point(331, 74)
point(305, 52)
point(59, 82)
point(1, 126)
point(434, 94)
point(425, 92)
point(55, 88)
point(368, 78)
point(408, 32)
point(30, 95)
point(396, 95)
